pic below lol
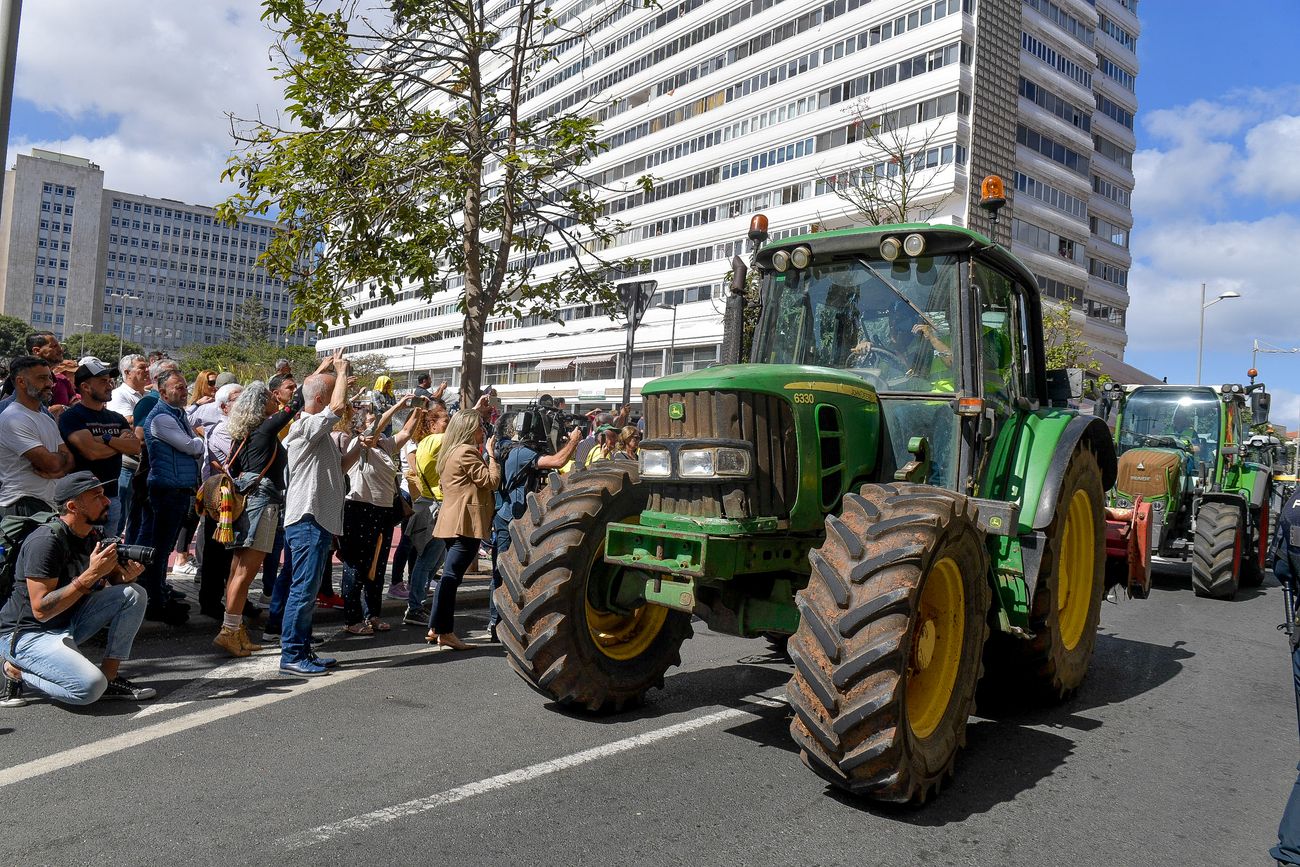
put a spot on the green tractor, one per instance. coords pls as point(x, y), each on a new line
point(1184, 449)
point(891, 478)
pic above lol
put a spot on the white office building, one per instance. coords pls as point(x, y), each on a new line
point(77, 257)
point(756, 106)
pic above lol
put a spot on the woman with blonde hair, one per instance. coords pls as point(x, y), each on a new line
point(629, 443)
point(465, 519)
point(204, 389)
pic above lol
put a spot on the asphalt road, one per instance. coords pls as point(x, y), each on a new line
point(1179, 749)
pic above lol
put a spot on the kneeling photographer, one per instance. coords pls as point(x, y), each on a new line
point(528, 444)
point(70, 583)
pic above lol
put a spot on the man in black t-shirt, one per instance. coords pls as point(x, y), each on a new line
point(97, 436)
point(67, 587)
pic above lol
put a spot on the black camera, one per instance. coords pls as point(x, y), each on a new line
point(141, 554)
point(539, 425)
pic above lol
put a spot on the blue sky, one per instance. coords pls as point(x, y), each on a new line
point(1218, 192)
point(143, 88)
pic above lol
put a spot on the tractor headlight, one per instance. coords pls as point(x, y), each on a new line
point(781, 261)
point(656, 463)
point(914, 245)
point(890, 248)
point(801, 257)
point(713, 463)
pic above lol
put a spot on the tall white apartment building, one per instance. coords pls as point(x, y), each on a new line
point(755, 106)
point(76, 257)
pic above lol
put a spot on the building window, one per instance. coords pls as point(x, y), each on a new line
point(694, 358)
point(647, 364)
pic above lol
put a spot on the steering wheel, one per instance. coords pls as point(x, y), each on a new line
point(873, 354)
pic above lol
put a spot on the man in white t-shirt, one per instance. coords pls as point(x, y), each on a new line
point(135, 379)
point(32, 453)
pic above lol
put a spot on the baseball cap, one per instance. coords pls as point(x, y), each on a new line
point(74, 485)
point(90, 367)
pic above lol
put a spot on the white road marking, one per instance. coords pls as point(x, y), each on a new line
point(262, 667)
point(136, 737)
point(325, 833)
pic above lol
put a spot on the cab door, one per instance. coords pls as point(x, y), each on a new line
point(1002, 344)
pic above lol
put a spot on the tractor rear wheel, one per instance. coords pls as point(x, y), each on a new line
point(1217, 551)
point(560, 634)
point(889, 647)
point(1066, 607)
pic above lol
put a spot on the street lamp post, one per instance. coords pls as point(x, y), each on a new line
point(121, 334)
point(636, 299)
point(1200, 345)
point(81, 345)
point(672, 338)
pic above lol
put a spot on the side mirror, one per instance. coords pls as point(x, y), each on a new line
point(1260, 404)
point(1065, 384)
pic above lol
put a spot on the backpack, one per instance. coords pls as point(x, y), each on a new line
point(13, 530)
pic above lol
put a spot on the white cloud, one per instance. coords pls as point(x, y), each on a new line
point(1269, 167)
point(165, 72)
point(1253, 257)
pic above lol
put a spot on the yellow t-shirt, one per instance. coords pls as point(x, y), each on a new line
point(426, 465)
point(596, 455)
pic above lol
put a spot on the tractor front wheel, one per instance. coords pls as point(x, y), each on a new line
point(1217, 551)
point(561, 634)
point(891, 633)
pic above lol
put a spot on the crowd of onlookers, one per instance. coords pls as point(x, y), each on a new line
point(114, 477)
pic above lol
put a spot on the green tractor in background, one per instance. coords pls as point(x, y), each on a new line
point(892, 477)
point(1183, 449)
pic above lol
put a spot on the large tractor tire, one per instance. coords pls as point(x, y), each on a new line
point(1252, 561)
point(889, 647)
point(561, 643)
point(1218, 550)
point(1066, 607)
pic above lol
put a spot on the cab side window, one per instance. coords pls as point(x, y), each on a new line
point(1002, 337)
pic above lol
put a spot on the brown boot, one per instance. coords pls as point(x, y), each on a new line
point(246, 641)
point(229, 641)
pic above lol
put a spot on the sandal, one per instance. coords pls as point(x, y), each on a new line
point(361, 628)
point(378, 625)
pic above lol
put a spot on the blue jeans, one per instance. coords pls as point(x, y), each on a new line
point(271, 566)
point(461, 554)
point(166, 512)
point(428, 560)
point(114, 516)
point(310, 544)
point(123, 502)
point(500, 544)
point(280, 589)
point(50, 660)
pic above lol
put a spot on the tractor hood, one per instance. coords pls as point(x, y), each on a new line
point(777, 379)
point(795, 439)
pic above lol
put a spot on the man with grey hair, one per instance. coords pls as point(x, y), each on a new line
point(313, 509)
point(135, 379)
point(175, 448)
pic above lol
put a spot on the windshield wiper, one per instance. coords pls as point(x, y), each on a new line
point(899, 292)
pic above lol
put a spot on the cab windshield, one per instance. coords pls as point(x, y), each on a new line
point(888, 322)
point(1171, 419)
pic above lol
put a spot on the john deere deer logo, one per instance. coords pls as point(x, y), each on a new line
point(676, 411)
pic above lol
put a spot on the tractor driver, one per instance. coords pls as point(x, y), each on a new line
point(910, 350)
point(1184, 430)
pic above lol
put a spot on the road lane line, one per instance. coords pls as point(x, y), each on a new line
point(98, 749)
point(264, 666)
point(325, 833)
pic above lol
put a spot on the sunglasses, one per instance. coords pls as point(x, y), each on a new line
point(212, 382)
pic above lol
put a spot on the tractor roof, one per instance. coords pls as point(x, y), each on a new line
point(939, 239)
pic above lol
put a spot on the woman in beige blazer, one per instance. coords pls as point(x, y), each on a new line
point(465, 518)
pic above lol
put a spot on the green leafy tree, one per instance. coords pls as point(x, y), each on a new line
point(103, 346)
point(250, 325)
point(402, 158)
point(248, 361)
point(13, 337)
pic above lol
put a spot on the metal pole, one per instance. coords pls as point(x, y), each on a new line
point(11, 12)
point(627, 360)
point(1200, 345)
point(1289, 626)
point(672, 339)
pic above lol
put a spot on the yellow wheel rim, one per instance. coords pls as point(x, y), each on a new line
point(936, 647)
point(1074, 586)
point(625, 636)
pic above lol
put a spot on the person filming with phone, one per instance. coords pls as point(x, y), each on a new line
point(69, 584)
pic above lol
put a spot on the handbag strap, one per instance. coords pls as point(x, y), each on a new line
point(229, 467)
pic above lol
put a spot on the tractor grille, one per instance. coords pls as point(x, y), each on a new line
point(763, 420)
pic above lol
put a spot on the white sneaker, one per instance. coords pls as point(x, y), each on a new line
point(186, 568)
